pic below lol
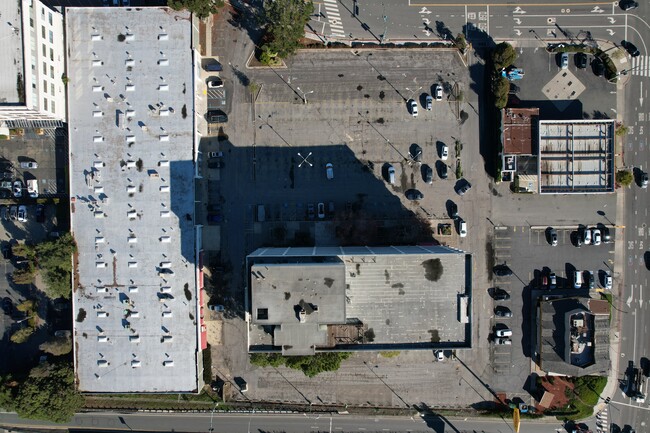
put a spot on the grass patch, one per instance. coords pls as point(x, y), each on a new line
point(585, 395)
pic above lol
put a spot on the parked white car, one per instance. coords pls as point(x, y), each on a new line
point(413, 107)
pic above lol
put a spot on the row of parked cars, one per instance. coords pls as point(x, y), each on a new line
point(19, 213)
point(428, 100)
point(583, 236)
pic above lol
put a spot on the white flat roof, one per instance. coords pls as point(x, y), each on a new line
point(135, 294)
point(11, 51)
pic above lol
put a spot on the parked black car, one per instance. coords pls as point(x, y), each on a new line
point(581, 60)
point(40, 213)
point(414, 194)
point(631, 48)
point(427, 174)
point(502, 271)
point(627, 5)
point(502, 311)
point(500, 294)
point(598, 67)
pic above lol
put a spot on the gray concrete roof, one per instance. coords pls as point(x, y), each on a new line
point(11, 50)
point(132, 186)
point(576, 156)
point(386, 291)
point(282, 290)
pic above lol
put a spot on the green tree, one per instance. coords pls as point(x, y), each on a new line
point(285, 22)
point(49, 394)
point(58, 346)
point(55, 260)
point(8, 388)
point(621, 129)
point(624, 177)
point(500, 90)
point(504, 55)
point(22, 335)
point(309, 365)
point(461, 42)
point(200, 8)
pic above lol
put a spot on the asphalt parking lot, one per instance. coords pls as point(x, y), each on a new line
point(527, 252)
point(571, 93)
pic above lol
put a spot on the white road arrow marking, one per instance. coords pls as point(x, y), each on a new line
point(426, 21)
point(597, 10)
point(641, 93)
point(427, 33)
point(518, 32)
point(425, 11)
point(628, 301)
point(518, 21)
point(611, 32)
point(611, 20)
point(518, 10)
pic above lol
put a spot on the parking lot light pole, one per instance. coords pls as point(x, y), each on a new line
point(304, 95)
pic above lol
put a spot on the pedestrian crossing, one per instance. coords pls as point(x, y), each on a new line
point(640, 66)
point(334, 18)
point(601, 422)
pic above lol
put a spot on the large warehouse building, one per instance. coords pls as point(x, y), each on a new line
point(136, 311)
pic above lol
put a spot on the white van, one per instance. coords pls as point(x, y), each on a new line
point(32, 188)
point(504, 333)
point(577, 279)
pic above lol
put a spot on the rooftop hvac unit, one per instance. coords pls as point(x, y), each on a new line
point(163, 37)
point(98, 113)
point(131, 189)
point(99, 214)
point(163, 87)
point(133, 289)
point(130, 37)
point(130, 164)
point(167, 338)
point(133, 264)
point(98, 164)
point(135, 314)
point(100, 240)
point(166, 289)
point(165, 214)
point(100, 265)
point(130, 87)
point(129, 62)
point(102, 289)
point(102, 363)
point(102, 339)
point(164, 112)
point(163, 138)
point(135, 364)
point(164, 188)
point(130, 113)
point(95, 38)
point(130, 138)
point(132, 214)
point(98, 139)
point(163, 163)
point(99, 189)
point(102, 314)
point(166, 265)
point(134, 338)
point(133, 240)
point(165, 239)
point(97, 63)
point(163, 62)
point(168, 363)
point(167, 314)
